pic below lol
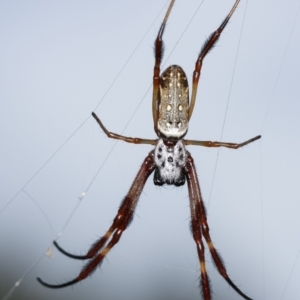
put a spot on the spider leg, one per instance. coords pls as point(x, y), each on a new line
point(200, 226)
point(120, 223)
point(122, 137)
point(97, 246)
point(158, 49)
point(60, 249)
point(208, 45)
point(205, 286)
point(221, 144)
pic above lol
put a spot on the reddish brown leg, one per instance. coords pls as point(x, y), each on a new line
point(221, 144)
point(120, 223)
point(200, 226)
point(156, 72)
point(195, 195)
point(209, 44)
point(197, 235)
point(122, 137)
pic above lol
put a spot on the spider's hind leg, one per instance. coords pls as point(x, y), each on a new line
point(158, 50)
point(208, 45)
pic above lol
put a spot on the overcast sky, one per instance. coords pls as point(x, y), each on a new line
point(60, 60)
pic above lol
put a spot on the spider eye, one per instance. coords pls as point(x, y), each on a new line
point(169, 107)
point(180, 107)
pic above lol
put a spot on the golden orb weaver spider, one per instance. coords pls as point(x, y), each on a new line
point(171, 163)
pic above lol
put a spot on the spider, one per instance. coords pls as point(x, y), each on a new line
point(171, 163)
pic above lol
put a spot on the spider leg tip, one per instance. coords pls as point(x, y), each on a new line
point(40, 280)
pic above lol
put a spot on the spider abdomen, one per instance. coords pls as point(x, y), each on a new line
point(169, 161)
point(174, 103)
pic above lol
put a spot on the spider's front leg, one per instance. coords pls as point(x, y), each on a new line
point(200, 228)
point(124, 216)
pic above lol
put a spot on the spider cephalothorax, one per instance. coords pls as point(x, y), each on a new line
point(169, 159)
point(170, 162)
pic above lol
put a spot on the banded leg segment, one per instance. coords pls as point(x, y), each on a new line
point(221, 144)
point(197, 235)
point(194, 196)
point(158, 48)
point(200, 220)
point(208, 45)
point(122, 137)
point(125, 213)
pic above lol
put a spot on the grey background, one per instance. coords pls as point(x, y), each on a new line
point(58, 59)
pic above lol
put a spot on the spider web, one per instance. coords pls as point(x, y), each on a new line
point(156, 256)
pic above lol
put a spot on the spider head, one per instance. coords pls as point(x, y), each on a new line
point(174, 103)
point(169, 159)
